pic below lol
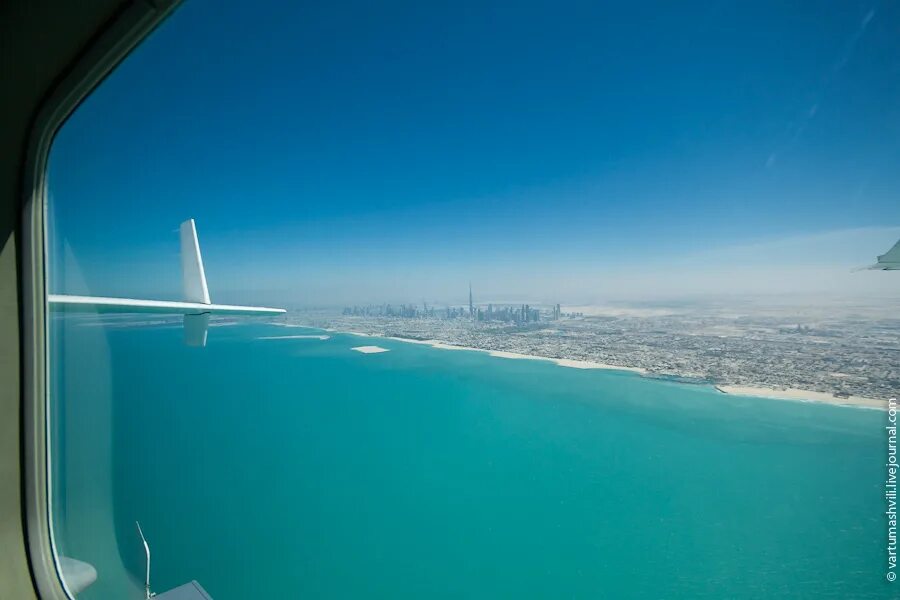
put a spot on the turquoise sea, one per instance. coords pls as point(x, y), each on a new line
point(298, 468)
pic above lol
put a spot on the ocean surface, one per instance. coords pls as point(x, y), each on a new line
point(299, 468)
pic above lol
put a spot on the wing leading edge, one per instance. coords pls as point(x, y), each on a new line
point(74, 304)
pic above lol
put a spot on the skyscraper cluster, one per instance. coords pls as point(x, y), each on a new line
point(517, 314)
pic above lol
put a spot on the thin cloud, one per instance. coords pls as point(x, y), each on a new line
point(795, 129)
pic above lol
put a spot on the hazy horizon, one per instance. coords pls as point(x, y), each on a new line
point(819, 269)
point(594, 156)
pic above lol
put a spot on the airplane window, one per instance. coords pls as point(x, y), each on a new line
point(488, 300)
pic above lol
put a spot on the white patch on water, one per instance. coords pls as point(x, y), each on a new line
point(294, 337)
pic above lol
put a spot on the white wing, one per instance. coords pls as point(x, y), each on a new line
point(62, 303)
point(196, 308)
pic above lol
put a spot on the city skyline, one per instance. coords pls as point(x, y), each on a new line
point(512, 312)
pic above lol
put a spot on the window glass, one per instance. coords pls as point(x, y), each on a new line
point(573, 292)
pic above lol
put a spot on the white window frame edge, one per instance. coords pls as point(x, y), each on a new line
point(106, 51)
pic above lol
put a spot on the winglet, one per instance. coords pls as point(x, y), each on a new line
point(193, 276)
point(889, 261)
point(194, 280)
point(891, 258)
point(196, 307)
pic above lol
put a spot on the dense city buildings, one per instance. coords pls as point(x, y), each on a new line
point(840, 349)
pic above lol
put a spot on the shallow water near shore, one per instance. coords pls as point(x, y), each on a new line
point(296, 467)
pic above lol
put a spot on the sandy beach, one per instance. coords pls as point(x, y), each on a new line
point(786, 394)
point(563, 362)
point(802, 396)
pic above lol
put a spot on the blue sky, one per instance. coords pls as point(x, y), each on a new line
point(333, 152)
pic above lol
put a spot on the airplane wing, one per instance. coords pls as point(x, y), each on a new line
point(197, 305)
point(62, 303)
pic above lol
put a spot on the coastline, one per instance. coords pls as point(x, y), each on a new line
point(785, 394)
point(563, 362)
point(796, 395)
point(789, 394)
